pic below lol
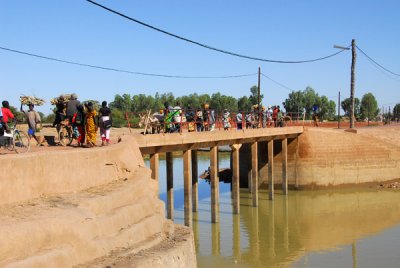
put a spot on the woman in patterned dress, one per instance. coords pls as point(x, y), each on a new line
point(91, 125)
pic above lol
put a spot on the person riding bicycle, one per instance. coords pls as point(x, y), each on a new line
point(7, 114)
point(3, 129)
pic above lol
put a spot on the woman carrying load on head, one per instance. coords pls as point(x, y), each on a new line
point(105, 123)
point(91, 125)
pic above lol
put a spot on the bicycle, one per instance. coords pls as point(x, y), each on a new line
point(66, 133)
point(16, 140)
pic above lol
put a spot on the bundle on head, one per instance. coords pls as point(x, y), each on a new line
point(26, 100)
point(64, 98)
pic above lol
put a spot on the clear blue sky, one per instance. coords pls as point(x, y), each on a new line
point(76, 30)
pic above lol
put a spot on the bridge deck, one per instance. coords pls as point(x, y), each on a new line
point(160, 143)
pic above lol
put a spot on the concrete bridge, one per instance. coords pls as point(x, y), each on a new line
point(188, 143)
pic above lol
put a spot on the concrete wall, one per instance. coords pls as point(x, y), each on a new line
point(328, 157)
point(63, 208)
point(339, 158)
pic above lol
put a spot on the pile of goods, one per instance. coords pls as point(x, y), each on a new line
point(64, 98)
point(26, 100)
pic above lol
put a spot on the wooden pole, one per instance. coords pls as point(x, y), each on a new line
point(195, 184)
point(170, 185)
point(259, 97)
point(236, 178)
point(187, 180)
point(259, 93)
point(254, 173)
point(338, 111)
point(214, 184)
point(352, 82)
point(271, 169)
point(154, 164)
point(284, 167)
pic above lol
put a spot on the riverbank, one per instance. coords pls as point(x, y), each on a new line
point(66, 207)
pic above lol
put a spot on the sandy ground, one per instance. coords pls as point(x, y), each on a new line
point(50, 133)
point(168, 251)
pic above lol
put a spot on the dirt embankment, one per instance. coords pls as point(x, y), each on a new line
point(61, 208)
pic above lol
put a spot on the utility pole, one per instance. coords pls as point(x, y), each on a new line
point(369, 103)
point(389, 115)
point(259, 96)
point(338, 109)
point(352, 81)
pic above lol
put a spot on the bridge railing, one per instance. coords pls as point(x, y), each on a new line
point(195, 120)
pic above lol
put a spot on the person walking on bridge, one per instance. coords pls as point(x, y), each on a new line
point(91, 125)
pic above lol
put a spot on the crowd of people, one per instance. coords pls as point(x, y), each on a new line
point(172, 117)
point(83, 119)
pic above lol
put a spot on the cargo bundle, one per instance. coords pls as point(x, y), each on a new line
point(64, 98)
point(26, 100)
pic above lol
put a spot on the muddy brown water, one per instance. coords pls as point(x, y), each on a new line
point(329, 228)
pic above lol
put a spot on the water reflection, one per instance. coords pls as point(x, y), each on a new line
point(303, 229)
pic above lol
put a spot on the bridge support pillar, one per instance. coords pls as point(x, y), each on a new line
point(284, 167)
point(195, 178)
point(214, 184)
point(187, 181)
point(235, 178)
point(271, 169)
point(254, 173)
point(154, 164)
point(170, 185)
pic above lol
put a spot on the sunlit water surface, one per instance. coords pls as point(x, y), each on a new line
point(342, 228)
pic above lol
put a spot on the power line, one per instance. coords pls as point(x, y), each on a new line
point(276, 82)
point(387, 70)
point(124, 71)
point(207, 46)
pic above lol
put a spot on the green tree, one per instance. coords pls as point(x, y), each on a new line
point(310, 98)
point(346, 107)
point(254, 95)
point(118, 118)
point(295, 102)
point(396, 111)
point(142, 103)
point(158, 103)
point(298, 101)
point(369, 107)
point(326, 108)
point(168, 98)
point(17, 114)
point(220, 102)
point(191, 101)
point(123, 103)
point(244, 104)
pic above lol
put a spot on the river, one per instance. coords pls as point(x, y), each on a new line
point(332, 228)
